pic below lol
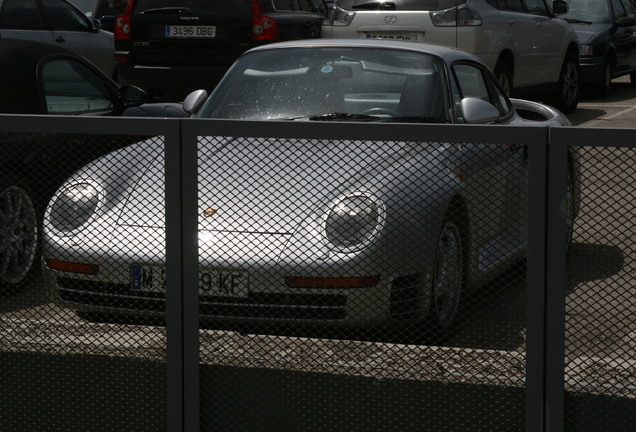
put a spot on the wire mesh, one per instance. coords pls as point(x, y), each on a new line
point(600, 330)
point(71, 356)
point(389, 265)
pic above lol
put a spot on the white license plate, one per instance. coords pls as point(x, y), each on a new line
point(412, 37)
point(189, 31)
point(211, 282)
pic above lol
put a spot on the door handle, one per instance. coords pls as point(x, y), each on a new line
point(60, 39)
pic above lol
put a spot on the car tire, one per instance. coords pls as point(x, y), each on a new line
point(566, 98)
point(603, 87)
point(503, 73)
point(20, 238)
point(448, 281)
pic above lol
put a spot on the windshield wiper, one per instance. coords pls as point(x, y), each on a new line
point(577, 21)
point(344, 116)
point(416, 119)
point(173, 9)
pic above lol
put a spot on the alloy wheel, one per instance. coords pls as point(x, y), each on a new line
point(18, 235)
point(448, 279)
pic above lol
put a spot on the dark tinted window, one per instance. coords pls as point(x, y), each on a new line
point(63, 16)
point(399, 5)
point(619, 11)
point(509, 5)
point(21, 14)
point(536, 7)
point(194, 5)
point(69, 87)
point(296, 5)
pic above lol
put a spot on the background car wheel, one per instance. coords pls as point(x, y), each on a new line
point(566, 98)
point(603, 87)
point(448, 281)
point(503, 73)
point(19, 238)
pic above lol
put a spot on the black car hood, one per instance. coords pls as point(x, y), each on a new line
point(587, 32)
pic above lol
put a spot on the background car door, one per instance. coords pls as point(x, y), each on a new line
point(624, 37)
point(72, 30)
point(494, 177)
point(548, 34)
point(23, 19)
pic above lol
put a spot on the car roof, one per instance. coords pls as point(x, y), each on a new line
point(449, 54)
point(19, 60)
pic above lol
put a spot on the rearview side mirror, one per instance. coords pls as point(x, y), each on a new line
point(132, 96)
point(194, 101)
point(559, 7)
point(477, 111)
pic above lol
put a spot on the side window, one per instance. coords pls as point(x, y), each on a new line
point(514, 5)
point(619, 10)
point(472, 82)
point(283, 5)
point(69, 87)
point(21, 15)
point(297, 5)
point(536, 7)
point(63, 16)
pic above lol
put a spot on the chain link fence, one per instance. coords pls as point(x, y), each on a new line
point(192, 275)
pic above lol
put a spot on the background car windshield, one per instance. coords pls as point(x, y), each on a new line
point(304, 82)
point(594, 11)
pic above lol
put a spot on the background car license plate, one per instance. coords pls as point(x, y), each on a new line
point(188, 31)
point(211, 282)
point(413, 37)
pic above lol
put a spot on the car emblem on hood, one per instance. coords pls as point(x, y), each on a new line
point(209, 212)
point(390, 19)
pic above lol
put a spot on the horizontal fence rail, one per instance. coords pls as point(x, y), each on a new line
point(231, 275)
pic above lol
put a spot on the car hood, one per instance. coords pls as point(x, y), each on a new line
point(244, 183)
point(586, 32)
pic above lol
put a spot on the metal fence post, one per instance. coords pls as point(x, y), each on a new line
point(536, 270)
point(555, 286)
point(181, 275)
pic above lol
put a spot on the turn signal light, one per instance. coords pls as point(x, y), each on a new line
point(73, 267)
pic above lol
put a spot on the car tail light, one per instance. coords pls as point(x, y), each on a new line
point(122, 23)
point(460, 16)
point(264, 28)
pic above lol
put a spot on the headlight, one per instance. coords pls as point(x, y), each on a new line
point(353, 221)
point(73, 206)
point(586, 50)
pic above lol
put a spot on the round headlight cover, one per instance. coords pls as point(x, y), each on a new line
point(354, 221)
point(73, 206)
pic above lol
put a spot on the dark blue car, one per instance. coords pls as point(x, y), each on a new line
point(607, 35)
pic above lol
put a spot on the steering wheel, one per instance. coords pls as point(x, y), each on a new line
point(380, 110)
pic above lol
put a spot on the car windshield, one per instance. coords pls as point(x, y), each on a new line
point(590, 11)
point(332, 83)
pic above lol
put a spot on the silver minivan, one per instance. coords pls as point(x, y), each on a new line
point(528, 47)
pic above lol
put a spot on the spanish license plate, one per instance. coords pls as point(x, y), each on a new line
point(190, 31)
point(412, 37)
point(211, 282)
